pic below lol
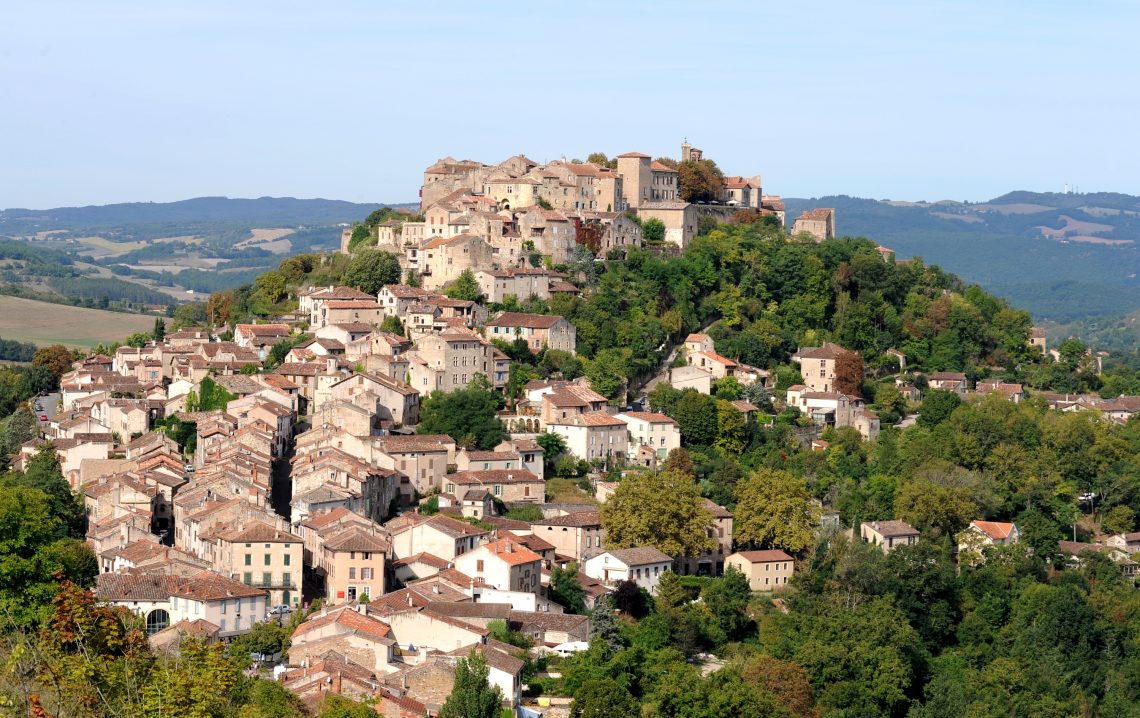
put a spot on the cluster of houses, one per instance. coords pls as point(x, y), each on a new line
point(502, 216)
point(275, 488)
point(307, 481)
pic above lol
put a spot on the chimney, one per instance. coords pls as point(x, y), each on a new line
point(510, 547)
point(435, 588)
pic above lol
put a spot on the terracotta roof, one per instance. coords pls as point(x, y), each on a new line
point(650, 416)
point(510, 552)
point(493, 476)
point(258, 532)
point(994, 529)
point(658, 167)
point(349, 620)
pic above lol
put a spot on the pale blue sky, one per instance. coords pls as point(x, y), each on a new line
point(125, 101)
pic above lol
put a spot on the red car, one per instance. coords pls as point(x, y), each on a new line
point(43, 417)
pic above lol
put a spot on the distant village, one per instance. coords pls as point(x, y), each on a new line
point(311, 482)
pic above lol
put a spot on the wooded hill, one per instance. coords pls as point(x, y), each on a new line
point(1064, 257)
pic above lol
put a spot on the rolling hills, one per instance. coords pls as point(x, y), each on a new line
point(1064, 257)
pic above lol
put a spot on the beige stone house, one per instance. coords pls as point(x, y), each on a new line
point(354, 561)
point(538, 330)
point(451, 360)
point(817, 366)
point(680, 220)
point(510, 486)
point(657, 431)
point(521, 283)
point(954, 381)
point(643, 565)
point(819, 223)
point(593, 436)
point(503, 564)
point(423, 458)
point(350, 632)
point(765, 570)
point(575, 536)
point(445, 258)
point(437, 535)
point(888, 535)
point(264, 556)
point(973, 540)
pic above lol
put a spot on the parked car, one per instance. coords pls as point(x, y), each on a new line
point(43, 417)
point(189, 468)
point(281, 610)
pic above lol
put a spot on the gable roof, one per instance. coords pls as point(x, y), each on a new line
point(996, 530)
point(640, 555)
point(520, 319)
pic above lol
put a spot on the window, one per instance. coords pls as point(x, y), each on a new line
point(352, 573)
point(366, 574)
point(248, 559)
point(268, 560)
point(247, 579)
point(367, 555)
point(286, 579)
point(157, 620)
point(287, 559)
point(479, 565)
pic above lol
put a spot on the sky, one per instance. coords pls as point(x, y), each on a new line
point(154, 101)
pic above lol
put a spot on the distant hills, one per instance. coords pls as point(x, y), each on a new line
point(260, 212)
point(147, 254)
point(1064, 257)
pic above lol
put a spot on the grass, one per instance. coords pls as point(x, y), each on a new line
point(566, 491)
point(42, 323)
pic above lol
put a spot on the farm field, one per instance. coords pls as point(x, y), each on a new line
point(43, 323)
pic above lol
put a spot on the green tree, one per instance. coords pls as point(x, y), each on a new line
point(607, 371)
point(210, 397)
point(44, 473)
point(929, 505)
point(604, 698)
point(56, 357)
point(335, 706)
point(393, 325)
point(468, 415)
point(731, 434)
point(727, 599)
point(465, 287)
point(1119, 520)
point(775, 510)
point(159, 332)
point(472, 696)
point(361, 237)
point(565, 589)
point(663, 510)
point(700, 180)
point(371, 269)
point(696, 415)
point(553, 446)
point(604, 623)
point(937, 406)
point(653, 231)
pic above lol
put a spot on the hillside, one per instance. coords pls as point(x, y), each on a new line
point(155, 253)
point(1064, 257)
point(44, 323)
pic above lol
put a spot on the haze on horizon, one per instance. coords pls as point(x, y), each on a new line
point(131, 101)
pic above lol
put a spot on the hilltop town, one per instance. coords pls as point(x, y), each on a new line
point(431, 461)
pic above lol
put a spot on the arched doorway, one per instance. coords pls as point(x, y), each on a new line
point(156, 620)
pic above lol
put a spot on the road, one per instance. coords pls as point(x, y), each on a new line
point(50, 404)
